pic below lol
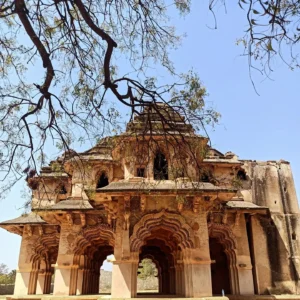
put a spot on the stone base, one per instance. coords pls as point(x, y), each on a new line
point(150, 297)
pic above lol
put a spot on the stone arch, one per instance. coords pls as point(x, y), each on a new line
point(44, 253)
point(101, 233)
point(174, 223)
point(225, 236)
point(89, 246)
point(163, 234)
point(102, 179)
point(45, 243)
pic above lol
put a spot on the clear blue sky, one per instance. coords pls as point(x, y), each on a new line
point(264, 127)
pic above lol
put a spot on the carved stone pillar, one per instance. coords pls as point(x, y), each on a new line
point(80, 276)
point(47, 285)
point(172, 281)
point(33, 281)
point(26, 276)
point(179, 279)
point(65, 272)
point(40, 287)
point(124, 278)
point(243, 260)
point(197, 263)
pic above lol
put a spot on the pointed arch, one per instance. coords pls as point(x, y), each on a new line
point(225, 236)
point(91, 247)
point(100, 234)
point(180, 231)
point(102, 180)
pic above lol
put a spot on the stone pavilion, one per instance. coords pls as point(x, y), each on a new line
point(211, 222)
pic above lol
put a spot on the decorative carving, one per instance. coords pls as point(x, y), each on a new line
point(143, 203)
point(45, 247)
point(16, 229)
point(83, 219)
point(112, 211)
point(28, 230)
point(224, 219)
point(127, 201)
point(126, 220)
point(223, 233)
point(109, 219)
point(237, 219)
point(126, 223)
point(176, 224)
point(41, 231)
point(69, 218)
point(196, 203)
point(100, 233)
point(180, 206)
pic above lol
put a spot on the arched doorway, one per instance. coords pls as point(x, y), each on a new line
point(162, 254)
point(219, 268)
point(93, 247)
point(164, 236)
point(223, 255)
point(44, 257)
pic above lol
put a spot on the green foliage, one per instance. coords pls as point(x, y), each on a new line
point(7, 277)
point(273, 31)
point(147, 269)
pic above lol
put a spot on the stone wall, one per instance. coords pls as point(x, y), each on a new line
point(6, 289)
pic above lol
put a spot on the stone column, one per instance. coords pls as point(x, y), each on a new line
point(243, 259)
point(40, 287)
point(44, 279)
point(172, 281)
point(187, 280)
point(80, 276)
point(47, 285)
point(86, 279)
point(124, 277)
point(201, 273)
point(65, 272)
point(33, 281)
point(24, 283)
point(197, 261)
point(179, 282)
point(79, 282)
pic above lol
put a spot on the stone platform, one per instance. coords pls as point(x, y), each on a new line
point(145, 296)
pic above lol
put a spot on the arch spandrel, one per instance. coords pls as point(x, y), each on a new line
point(174, 223)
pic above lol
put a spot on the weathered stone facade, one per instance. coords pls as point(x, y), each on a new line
point(209, 221)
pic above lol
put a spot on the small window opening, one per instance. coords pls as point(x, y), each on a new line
point(241, 175)
point(63, 190)
point(140, 172)
point(294, 236)
point(205, 177)
point(160, 167)
point(103, 181)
